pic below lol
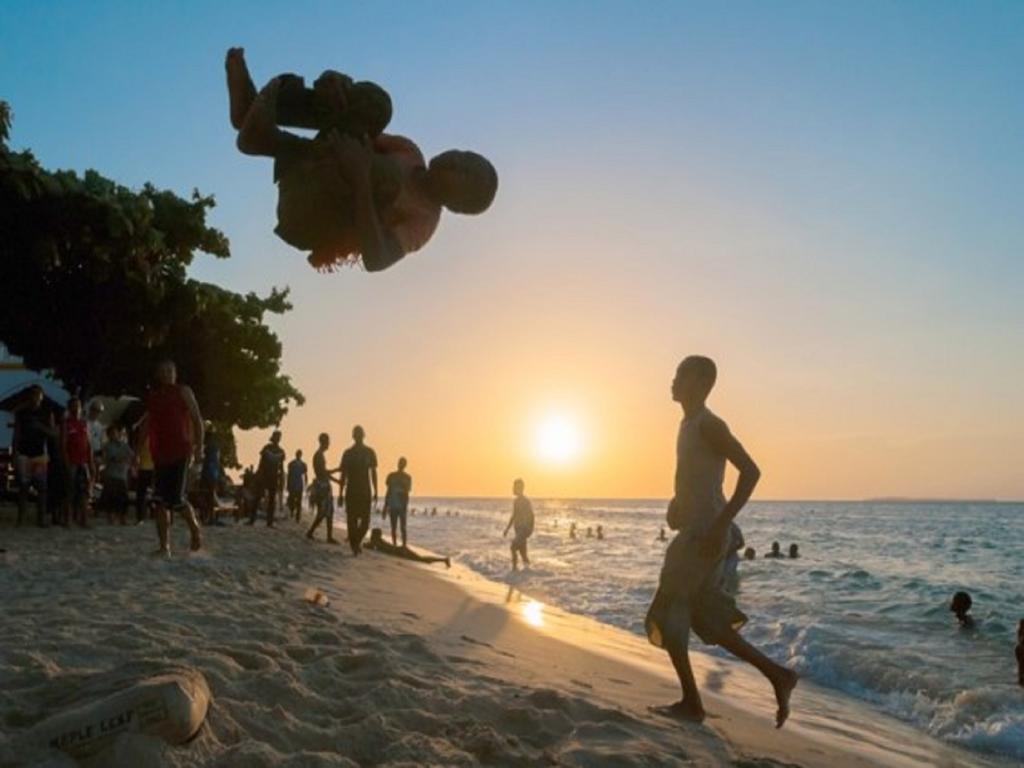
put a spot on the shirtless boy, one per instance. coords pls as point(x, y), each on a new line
point(690, 593)
point(353, 191)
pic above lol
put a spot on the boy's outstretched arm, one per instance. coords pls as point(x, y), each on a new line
point(717, 433)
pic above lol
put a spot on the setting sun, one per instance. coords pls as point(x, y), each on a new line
point(558, 439)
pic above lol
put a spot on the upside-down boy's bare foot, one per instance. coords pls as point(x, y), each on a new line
point(783, 690)
point(241, 91)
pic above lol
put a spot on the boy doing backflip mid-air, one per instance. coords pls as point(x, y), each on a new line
point(690, 592)
point(351, 191)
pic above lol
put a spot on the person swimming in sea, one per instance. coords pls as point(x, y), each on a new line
point(600, 533)
point(749, 553)
point(794, 552)
point(776, 550)
point(572, 531)
point(377, 544)
point(960, 605)
point(661, 534)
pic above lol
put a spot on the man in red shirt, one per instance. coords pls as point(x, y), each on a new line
point(353, 191)
point(173, 428)
point(78, 459)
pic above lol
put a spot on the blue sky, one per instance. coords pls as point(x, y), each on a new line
point(825, 196)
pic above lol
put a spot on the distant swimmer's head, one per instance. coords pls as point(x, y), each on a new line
point(462, 181)
point(324, 440)
point(166, 372)
point(775, 548)
point(358, 433)
point(402, 463)
point(695, 377)
point(960, 604)
point(749, 553)
point(275, 436)
point(794, 551)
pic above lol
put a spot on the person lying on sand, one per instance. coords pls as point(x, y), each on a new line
point(352, 191)
point(690, 593)
point(378, 544)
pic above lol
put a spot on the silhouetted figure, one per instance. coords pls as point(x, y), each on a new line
point(33, 428)
point(794, 551)
point(749, 553)
point(661, 534)
point(776, 551)
point(1020, 652)
point(298, 476)
point(173, 428)
point(78, 459)
point(522, 520)
point(572, 531)
point(377, 543)
point(396, 499)
point(209, 479)
point(269, 477)
point(590, 532)
point(321, 493)
point(352, 190)
point(960, 605)
point(690, 590)
point(433, 511)
point(600, 533)
point(358, 486)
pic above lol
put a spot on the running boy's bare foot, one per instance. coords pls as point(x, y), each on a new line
point(783, 690)
point(241, 91)
point(680, 710)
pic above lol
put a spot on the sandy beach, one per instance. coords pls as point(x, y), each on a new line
point(407, 665)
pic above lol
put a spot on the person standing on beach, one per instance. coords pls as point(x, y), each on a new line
point(396, 499)
point(522, 522)
point(269, 474)
point(297, 478)
point(358, 483)
point(78, 458)
point(689, 592)
point(117, 463)
point(173, 428)
point(321, 493)
point(33, 426)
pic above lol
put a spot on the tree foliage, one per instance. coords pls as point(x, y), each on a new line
point(94, 288)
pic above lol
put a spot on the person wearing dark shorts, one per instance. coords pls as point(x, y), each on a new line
point(173, 428)
point(297, 478)
point(522, 521)
point(396, 500)
point(358, 489)
point(33, 428)
point(269, 474)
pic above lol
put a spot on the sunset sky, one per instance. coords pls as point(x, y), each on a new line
point(826, 198)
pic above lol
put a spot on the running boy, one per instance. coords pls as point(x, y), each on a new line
point(690, 591)
point(522, 521)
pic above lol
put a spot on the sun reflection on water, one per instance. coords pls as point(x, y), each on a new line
point(533, 612)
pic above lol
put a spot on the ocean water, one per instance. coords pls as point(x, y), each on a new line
point(863, 611)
